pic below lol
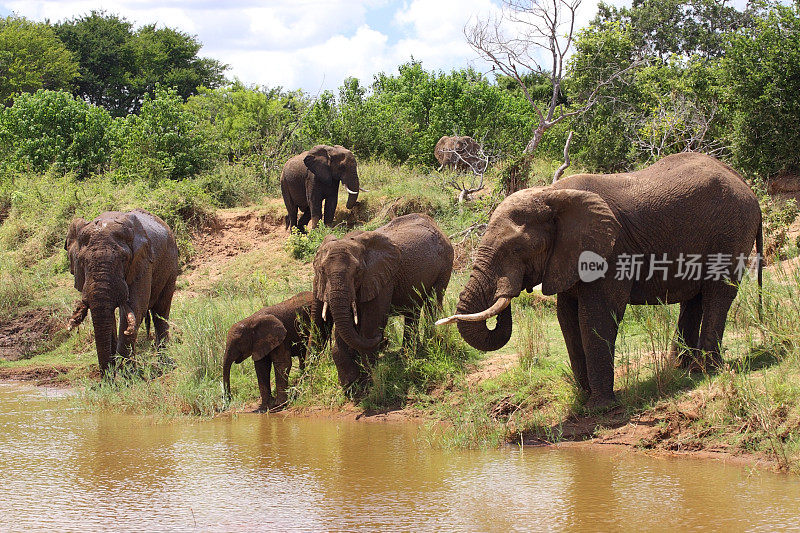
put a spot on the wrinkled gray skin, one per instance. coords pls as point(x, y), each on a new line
point(272, 336)
point(381, 272)
point(460, 153)
point(686, 203)
point(126, 261)
point(313, 177)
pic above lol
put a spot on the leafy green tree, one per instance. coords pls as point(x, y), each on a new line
point(120, 65)
point(100, 43)
point(31, 58)
point(661, 28)
point(249, 125)
point(162, 142)
point(169, 57)
point(762, 69)
point(54, 130)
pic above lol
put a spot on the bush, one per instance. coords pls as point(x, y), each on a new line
point(304, 246)
point(54, 130)
point(762, 68)
point(162, 142)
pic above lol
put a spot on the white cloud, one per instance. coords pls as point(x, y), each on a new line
point(304, 43)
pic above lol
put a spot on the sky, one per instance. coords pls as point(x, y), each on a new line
point(308, 44)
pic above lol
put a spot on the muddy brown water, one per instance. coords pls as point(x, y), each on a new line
point(63, 468)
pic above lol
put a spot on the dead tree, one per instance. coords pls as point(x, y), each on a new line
point(472, 181)
point(514, 41)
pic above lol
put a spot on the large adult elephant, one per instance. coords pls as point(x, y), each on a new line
point(367, 275)
point(685, 209)
point(127, 261)
point(460, 153)
point(311, 178)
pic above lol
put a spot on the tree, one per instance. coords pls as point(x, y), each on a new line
point(169, 57)
point(55, 130)
point(31, 58)
point(542, 33)
point(100, 43)
point(661, 28)
point(119, 66)
point(762, 70)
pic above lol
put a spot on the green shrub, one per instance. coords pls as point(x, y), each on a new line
point(304, 246)
point(53, 129)
point(161, 142)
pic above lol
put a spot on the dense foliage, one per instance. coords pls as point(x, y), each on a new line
point(706, 77)
point(31, 58)
point(120, 65)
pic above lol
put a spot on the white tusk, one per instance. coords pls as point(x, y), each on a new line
point(355, 313)
point(324, 310)
point(348, 190)
point(498, 306)
point(363, 189)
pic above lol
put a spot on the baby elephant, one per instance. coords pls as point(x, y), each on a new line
point(272, 336)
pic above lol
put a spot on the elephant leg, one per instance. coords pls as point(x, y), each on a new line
point(410, 328)
point(599, 322)
point(282, 361)
point(291, 207)
point(567, 312)
point(685, 343)
point(299, 350)
point(304, 218)
point(330, 209)
point(263, 367)
point(160, 313)
point(716, 303)
point(126, 344)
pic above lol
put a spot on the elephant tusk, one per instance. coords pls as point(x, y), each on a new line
point(355, 313)
point(324, 310)
point(349, 191)
point(362, 189)
point(495, 309)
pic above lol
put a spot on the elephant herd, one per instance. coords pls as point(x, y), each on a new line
point(678, 231)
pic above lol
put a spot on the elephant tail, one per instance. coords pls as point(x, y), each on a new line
point(760, 259)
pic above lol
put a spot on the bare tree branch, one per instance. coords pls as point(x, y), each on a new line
point(540, 28)
point(560, 170)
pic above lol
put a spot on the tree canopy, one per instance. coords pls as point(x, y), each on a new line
point(31, 58)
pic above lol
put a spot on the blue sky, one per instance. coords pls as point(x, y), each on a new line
point(307, 44)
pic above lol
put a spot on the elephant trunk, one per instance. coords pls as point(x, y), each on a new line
point(227, 362)
point(478, 296)
point(341, 304)
point(104, 324)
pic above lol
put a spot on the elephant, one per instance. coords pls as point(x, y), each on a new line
point(272, 336)
point(460, 153)
point(127, 261)
point(366, 275)
point(312, 177)
point(566, 235)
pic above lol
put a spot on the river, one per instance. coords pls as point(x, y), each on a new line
point(65, 468)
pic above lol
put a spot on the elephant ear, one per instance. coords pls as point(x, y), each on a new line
point(584, 222)
point(319, 261)
point(141, 247)
point(71, 246)
point(318, 161)
point(270, 334)
point(381, 262)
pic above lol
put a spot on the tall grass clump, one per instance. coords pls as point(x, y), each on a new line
point(431, 357)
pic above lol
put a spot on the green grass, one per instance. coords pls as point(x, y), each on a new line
point(753, 405)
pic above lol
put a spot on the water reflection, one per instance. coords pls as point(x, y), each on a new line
point(62, 468)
